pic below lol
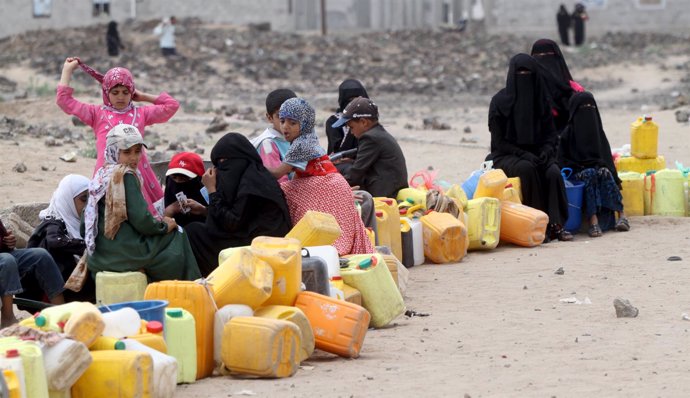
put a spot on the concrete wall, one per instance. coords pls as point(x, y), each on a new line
point(539, 16)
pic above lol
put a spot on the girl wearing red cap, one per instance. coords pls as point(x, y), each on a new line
point(118, 91)
point(184, 177)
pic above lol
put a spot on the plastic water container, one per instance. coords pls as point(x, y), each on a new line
point(516, 184)
point(369, 274)
point(445, 238)
point(339, 326)
point(81, 321)
point(107, 343)
point(417, 239)
point(261, 347)
point(484, 223)
point(491, 184)
point(345, 292)
point(522, 225)
point(284, 255)
point(644, 138)
point(330, 255)
point(392, 263)
point(633, 193)
point(639, 165)
point(223, 316)
point(296, 316)
point(574, 192)
point(11, 360)
point(510, 194)
point(390, 207)
point(226, 253)
point(121, 323)
point(64, 363)
point(413, 196)
point(665, 193)
point(407, 240)
point(13, 384)
point(316, 229)
point(152, 341)
point(164, 369)
point(149, 310)
point(315, 275)
point(195, 298)
point(116, 287)
point(180, 335)
point(242, 278)
point(118, 373)
point(458, 195)
point(470, 184)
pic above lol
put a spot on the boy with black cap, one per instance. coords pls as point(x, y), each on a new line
point(380, 166)
point(271, 144)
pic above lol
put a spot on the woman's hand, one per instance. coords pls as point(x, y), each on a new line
point(196, 208)
point(171, 223)
point(209, 180)
point(172, 209)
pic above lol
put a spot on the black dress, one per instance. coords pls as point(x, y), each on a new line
point(579, 17)
point(524, 139)
point(563, 20)
point(248, 203)
point(112, 40)
point(557, 77)
point(191, 189)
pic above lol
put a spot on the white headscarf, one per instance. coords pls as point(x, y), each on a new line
point(62, 203)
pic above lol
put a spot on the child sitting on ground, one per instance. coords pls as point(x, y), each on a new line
point(184, 176)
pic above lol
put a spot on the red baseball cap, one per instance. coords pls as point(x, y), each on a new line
point(186, 163)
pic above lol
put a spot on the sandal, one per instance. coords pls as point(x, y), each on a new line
point(558, 232)
point(623, 225)
point(595, 231)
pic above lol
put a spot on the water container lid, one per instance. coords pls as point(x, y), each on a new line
point(336, 278)
point(409, 200)
point(13, 353)
point(174, 313)
point(119, 345)
point(379, 213)
point(647, 118)
point(365, 264)
point(154, 327)
point(40, 321)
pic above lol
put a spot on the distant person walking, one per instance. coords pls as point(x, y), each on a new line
point(579, 17)
point(166, 31)
point(563, 19)
point(112, 40)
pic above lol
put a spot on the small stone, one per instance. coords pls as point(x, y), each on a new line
point(19, 167)
point(560, 271)
point(51, 141)
point(524, 287)
point(174, 146)
point(674, 258)
point(467, 130)
point(470, 140)
point(77, 122)
point(199, 151)
point(682, 116)
point(624, 309)
point(69, 157)
point(408, 126)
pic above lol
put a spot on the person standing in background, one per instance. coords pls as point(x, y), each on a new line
point(579, 17)
point(166, 31)
point(112, 40)
point(563, 20)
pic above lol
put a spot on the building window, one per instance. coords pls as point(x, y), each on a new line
point(651, 4)
point(42, 8)
point(594, 4)
point(101, 7)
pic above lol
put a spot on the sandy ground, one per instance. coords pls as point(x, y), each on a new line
point(496, 325)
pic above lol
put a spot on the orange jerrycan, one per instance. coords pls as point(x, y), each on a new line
point(491, 184)
point(633, 193)
point(195, 298)
point(522, 225)
point(445, 237)
point(261, 347)
point(390, 207)
point(339, 326)
point(118, 373)
point(242, 278)
point(284, 256)
point(644, 138)
point(316, 229)
point(483, 223)
point(296, 316)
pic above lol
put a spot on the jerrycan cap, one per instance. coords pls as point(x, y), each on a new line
point(40, 321)
point(379, 213)
point(364, 264)
point(336, 278)
point(154, 327)
point(13, 353)
point(174, 313)
point(409, 200)
point(647, 118)
point(119, 345)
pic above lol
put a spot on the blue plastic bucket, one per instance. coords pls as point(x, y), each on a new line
point(574, 193)
point(150, 310)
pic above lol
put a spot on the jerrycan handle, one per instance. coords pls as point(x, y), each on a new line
point(305, 252)
point(487, 165)
point(566, 172)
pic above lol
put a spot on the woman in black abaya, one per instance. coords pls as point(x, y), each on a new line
point(563, 19)
point(245, 202)
point(524, 139)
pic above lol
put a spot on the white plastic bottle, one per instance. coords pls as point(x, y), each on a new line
point(12, 361)
point(121, 323)
point(223, 316)
point(164, 369)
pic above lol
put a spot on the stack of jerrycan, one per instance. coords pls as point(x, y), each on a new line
point(644, 139)
point(196, 298)
point(664, 193)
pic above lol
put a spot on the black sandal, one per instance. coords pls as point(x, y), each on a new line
point(558, 232)
point(595, 231)
point(623, 225)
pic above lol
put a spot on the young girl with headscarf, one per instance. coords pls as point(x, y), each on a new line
point(585, 149)
point(59, 231)
point(118, 92)
point(317, 184)
point(245, 201)
point(524, 139)
point(120, 233)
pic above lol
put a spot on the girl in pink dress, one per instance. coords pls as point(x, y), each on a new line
point(118, 108)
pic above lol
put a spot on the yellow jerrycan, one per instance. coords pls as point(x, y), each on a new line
point(644, 138)
point(633, 192)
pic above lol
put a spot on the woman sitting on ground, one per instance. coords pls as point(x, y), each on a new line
point(245, 202)
point(121, 235)
point(585, 149)
point(317, 185)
